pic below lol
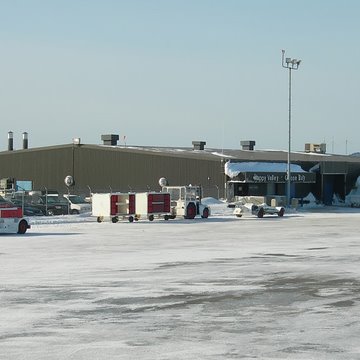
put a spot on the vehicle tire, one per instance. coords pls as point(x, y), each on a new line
point(74, 212)
point(50, 212)
point(260, 213)
point(100, 219)
point(239, 215)
point(190, 211)
point(131, 219)
point(205, 213)
point(151, 217)
point(166, 217)
point(115, 219)
point(23, 226)
point(281, 212)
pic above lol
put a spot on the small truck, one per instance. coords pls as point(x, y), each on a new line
point(185, 201)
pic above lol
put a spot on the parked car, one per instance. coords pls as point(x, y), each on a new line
point(77, 204)
point(28, 209)
point(51, 205)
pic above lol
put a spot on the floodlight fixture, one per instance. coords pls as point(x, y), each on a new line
point(290, 63)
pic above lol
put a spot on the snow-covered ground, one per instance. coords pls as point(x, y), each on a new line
point(217, 288)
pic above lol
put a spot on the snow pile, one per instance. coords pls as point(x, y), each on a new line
point(217, 207)
point(210, 201)
point(62, 219)
point(233, 169)
point(353, 198)
point(310, 202)
point(337, 201)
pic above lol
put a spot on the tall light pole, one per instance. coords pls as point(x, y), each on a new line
point(291, 64)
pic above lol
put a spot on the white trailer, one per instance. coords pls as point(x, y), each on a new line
point(152, 204)
point(12, 221)
point(258, 210)
point(113, 206)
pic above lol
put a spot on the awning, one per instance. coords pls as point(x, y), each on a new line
point(268, 177)
point(264, 172)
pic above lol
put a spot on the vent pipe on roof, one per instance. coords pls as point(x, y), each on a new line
point(10, 141)
point(199, 145)
point(110, 139)
point(247, 144)
point(25, 140)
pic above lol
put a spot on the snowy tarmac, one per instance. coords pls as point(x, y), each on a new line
point(217, 288)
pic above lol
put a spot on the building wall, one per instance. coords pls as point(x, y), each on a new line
point(44, 167)
point(104, 169)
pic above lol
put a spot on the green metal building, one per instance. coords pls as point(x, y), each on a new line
point(109, 167)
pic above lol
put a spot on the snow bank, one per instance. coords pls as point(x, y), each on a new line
point(353, 198)
point(233, 169)
point(217, 207)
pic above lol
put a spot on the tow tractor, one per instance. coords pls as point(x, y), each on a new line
point(12, 220)
point(186, 201)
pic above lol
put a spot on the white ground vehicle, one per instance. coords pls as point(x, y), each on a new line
point(113, 206)
point(258, 210)
point(12, 221)
point(131, 206)
point(153, 204)
point(186, 201)
point(77, 204)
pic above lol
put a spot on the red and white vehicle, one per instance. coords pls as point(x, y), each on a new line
point(152, 204)
point(115, 206)
point(132, 206)
point(12, 220)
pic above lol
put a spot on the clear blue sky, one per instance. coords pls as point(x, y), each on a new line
point(166, 72)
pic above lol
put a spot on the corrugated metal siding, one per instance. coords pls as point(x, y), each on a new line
point(44, 168)
point(121, 169)
point(102, 169)
point(105, 168)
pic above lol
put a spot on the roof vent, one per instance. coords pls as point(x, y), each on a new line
point(315, 148)
point(247, 144)
point(10, 141)
point(110, 139)
point(25, 140)
point(199, 145)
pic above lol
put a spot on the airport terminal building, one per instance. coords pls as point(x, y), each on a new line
point(225, 173)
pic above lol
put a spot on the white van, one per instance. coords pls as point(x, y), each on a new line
point(77, 204)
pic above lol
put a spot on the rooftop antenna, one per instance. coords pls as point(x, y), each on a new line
point(346, 146)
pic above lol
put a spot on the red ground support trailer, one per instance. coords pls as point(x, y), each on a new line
point(12, 221)
point(153, 204)
point(114, 206)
